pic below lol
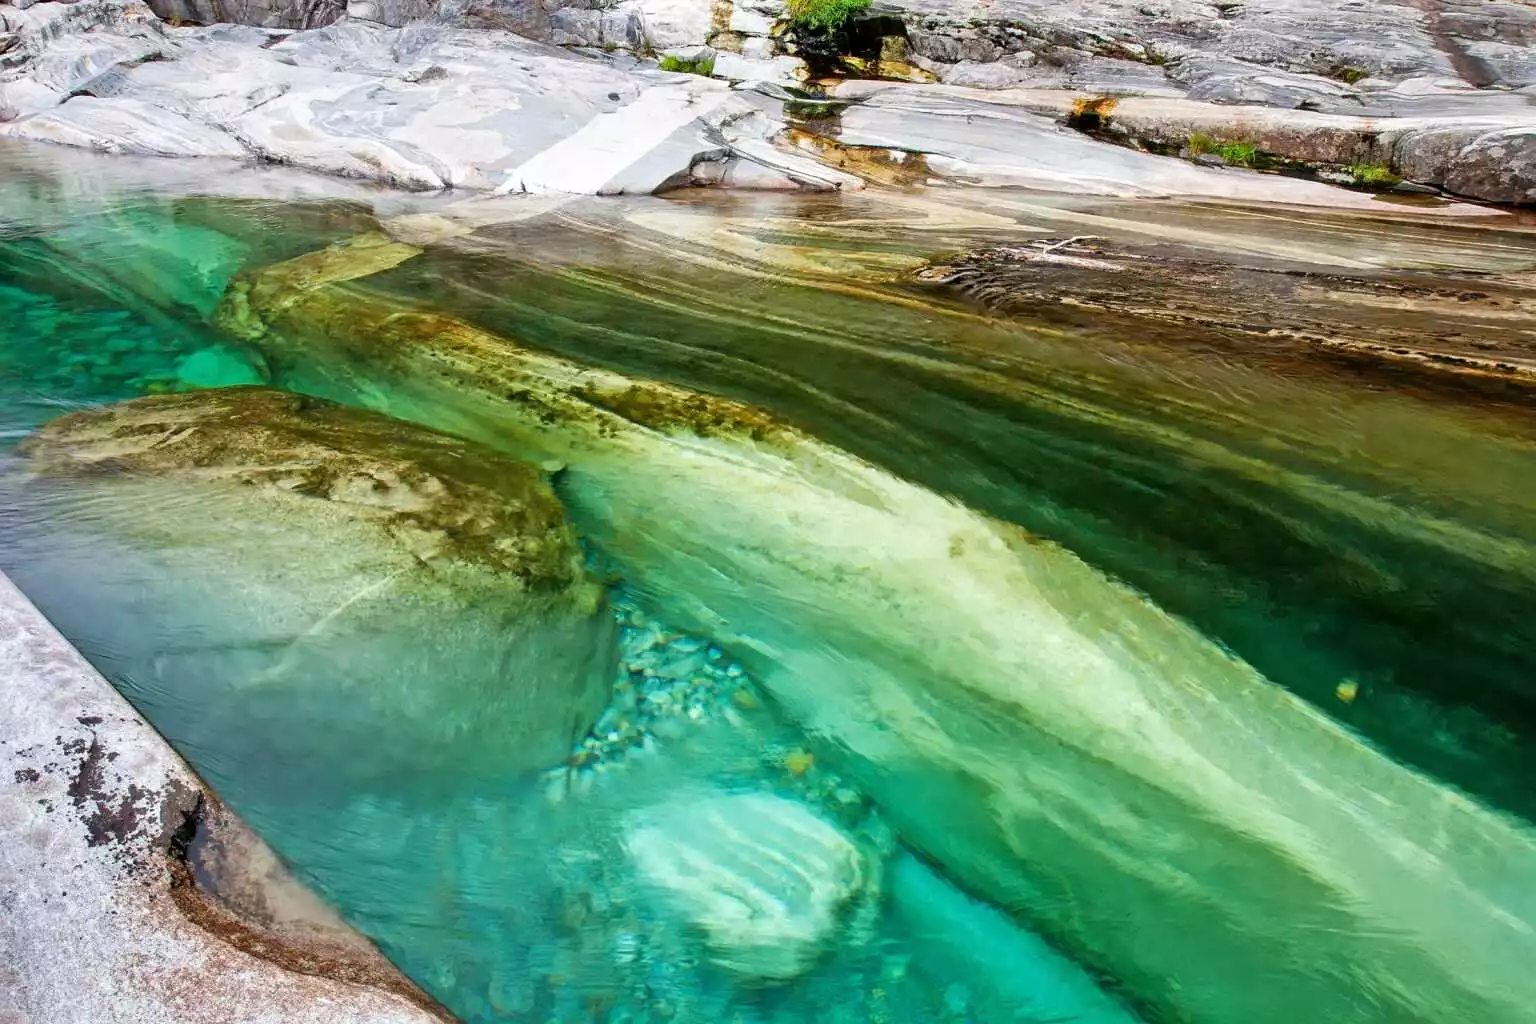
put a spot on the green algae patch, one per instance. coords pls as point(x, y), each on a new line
point(1236, 153)
point(1373, 175)
point(689, 66)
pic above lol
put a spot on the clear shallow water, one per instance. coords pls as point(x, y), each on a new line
point(1326, 528)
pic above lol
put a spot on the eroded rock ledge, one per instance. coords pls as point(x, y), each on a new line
point(105, 918)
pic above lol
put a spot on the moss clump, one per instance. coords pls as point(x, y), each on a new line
point(811, 110)
point(1350, 75)
point(1374, 175)
point(1238, 154)
point(698, 66)
point(824, 15)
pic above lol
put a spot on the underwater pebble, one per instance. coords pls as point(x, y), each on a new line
point(667, 682)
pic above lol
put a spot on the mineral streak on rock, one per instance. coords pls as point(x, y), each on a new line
point(1462, 329)
point(103, 920)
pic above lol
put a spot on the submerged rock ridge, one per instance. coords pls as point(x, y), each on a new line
point(106, 918)
point(391, 584)
point(1470, 328)
point(1056, 742)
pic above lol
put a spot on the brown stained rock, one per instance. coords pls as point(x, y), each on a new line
point(103, 920)
point(229, 882)
point(491, 511)
point(1450, 329)
point(306, 297)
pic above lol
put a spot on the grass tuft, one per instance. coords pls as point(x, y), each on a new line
point(1379, 175)
point(1238, 154)
point(703, 66)
point(824, 15)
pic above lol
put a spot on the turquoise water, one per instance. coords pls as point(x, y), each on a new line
point(1070, 805)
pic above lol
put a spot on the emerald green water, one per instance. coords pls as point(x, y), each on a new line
point(1324, 526)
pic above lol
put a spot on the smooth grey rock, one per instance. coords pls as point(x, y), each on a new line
point(782, 70)
point(969, 138)
point(266, 13)
point(126, 126)
point(1215, 80)
point(425, 107)
point(1314, 36)
point(762, 876)
point(670, 23)
point(751, 23)
point(995, 75)
point(1498, 166)
point(393, 13)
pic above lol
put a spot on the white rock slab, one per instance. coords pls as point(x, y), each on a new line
point(124, 126)
point(997, 143)
point(594, 159)
point(763, 876)
point(781, 70)
point(672, 23)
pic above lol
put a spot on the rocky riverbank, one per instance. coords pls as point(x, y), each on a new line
point(643, 96)
point(130, 892)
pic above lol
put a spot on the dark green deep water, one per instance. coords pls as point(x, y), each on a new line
point(1331, 529)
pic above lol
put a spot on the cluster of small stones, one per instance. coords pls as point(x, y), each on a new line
point(666, 680)
point(669, 682)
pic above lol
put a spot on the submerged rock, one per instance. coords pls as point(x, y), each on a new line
point(1056, 742)
point(303, 576)
point(762, 876)
point(1452, 337)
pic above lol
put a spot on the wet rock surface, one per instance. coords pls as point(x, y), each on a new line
point(104, 920)
point(1467, 330)
point(966, 712)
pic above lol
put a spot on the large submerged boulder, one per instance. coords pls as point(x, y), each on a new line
point(276, 577)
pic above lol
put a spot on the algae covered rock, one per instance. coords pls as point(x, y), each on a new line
point(763, 877)
point(275, 576)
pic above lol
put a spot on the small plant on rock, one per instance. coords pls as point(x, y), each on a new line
point(1375, 175)
point(1238, 154)
point(824, 15)
point(698, 66)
